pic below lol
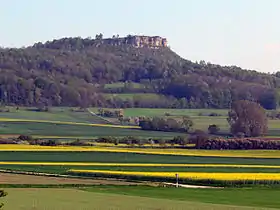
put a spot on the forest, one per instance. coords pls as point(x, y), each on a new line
point(75, 72)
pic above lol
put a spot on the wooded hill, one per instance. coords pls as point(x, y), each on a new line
point(74, 71)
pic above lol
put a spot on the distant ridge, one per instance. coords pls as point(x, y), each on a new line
point(74, 72)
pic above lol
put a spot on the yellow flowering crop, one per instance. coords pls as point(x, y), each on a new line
point(138, 164)
point(190, 175)
point(67, 123)
point(156, 151)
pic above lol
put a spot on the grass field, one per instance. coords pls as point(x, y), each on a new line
point(134, 112)
point(64, 122)
point(75, 130)
point(145, 198)
point(55, 114)
point(200, 117)
point(123, 157)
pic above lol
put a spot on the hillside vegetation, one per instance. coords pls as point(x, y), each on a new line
point(76, 72)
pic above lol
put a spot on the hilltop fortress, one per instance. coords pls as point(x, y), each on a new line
point(137, 41)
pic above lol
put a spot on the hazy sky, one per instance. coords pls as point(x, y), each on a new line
point(245, 33)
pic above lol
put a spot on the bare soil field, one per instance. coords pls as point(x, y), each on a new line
point(6, 178)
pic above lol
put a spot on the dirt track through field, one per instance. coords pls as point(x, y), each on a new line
point(6, 178)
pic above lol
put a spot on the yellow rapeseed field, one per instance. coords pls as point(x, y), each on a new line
point(137, 164)
point(156, 151)
point(67, 123)
point(190, 175)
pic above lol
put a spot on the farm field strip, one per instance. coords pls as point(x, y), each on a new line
point(9, 178)
point(187, 175)
point(63, 169)
point(52, 129)
point(67, 123)
point(122, 157)
point(128, 198)
point(137, 164)
point(275, 154)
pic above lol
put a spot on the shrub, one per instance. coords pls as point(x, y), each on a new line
point(44, 142)
point(7, 141)
point(80, 109)
point(108, 139)
point(198, 138)
point(111, 113)
point(240, 135)
point(166, 124)
point(25, 138)
point(116, 142)
point(240, 144)
point(39, 109)
point(213, 129)
point(213, 114)
point(167, 114)
point(161, 142)
point(78, 142)
point(181, 140)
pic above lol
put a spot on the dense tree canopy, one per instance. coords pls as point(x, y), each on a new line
point(73, 71)
point(247, 117)
point(166, 124)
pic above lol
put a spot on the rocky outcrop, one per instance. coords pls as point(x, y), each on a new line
point(138, 41)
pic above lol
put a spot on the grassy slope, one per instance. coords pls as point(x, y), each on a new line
point(64, 114)
point(175, 112)
point(50, 129)
point(56, 114)
point(72, 199)
point(243, 197)
point(200, 122)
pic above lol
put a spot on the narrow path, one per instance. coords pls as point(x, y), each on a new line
point(193, 186)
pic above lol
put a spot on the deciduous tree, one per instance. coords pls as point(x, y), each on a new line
point(213, 129)
point(247, 117)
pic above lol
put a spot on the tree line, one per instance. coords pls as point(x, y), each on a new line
point(166, 124)
point(240, 144)
point(245, 118)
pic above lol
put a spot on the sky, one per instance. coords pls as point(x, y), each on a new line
point(244, 33)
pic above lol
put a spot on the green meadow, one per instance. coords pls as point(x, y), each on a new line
point(140, 197)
